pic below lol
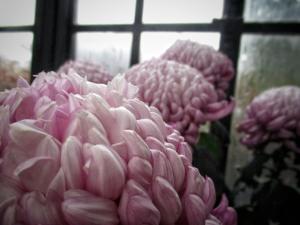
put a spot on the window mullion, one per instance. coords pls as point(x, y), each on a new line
point(136, 39)
point(43, 42)
point(231, 31)
point(63, 33)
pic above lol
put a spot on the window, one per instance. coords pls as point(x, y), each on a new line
point(129, 28)
point(110, 49)
point(118, 33)
point(268, 57)
point(16, 37)
point(153, 44)
point(105, 12)
point(181, 11)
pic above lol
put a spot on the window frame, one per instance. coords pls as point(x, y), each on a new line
point(54, 29)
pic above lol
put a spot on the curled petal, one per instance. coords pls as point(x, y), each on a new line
point(184, 149)
point(195, 210)
point(87, 128)
point(72, 163)
point(162, 166)
point(80, 207)
point(57, 187)
point(178, 169)
point(194, 182)
point(154, 143)
point(222, 112)
point(37, 173)
point(140, 170)
point(38, 210)
point(209, 194)
point(136, 145)
point(9, 188)
point(147, 127)
point(167, 200)
point(106, 176)
point(136, 206)
point(140, 110)
point(224, 213)
point(8, 212)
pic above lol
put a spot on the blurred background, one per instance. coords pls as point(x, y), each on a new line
point(261, 37)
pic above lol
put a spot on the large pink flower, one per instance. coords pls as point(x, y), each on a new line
point(79, 153)
point(274, 115)
point(215, 66)
point(94, 73)
point(185, 99)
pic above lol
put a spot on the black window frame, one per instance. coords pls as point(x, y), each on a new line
point(54, 30)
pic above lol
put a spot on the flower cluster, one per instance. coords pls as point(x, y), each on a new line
point(274, 115)
point(185, 99)
point(75, 152)
point(94, 73)
point(215, 66)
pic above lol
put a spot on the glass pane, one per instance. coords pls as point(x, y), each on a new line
point(15, 58)
point(153, 44)
point(16, 12)
point(181, 11)
point(272, 10)
point(105, 12)
point(111, 50)
point(264, 62)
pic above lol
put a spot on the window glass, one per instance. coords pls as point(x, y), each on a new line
point(111, 50)
point(181, 11)
point(105, 12)
point(15, 57)
point(264, 62)
point(16, 12)
point(272, 10)
point(153, 44)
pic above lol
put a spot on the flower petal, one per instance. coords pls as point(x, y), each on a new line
point(167, 200)
point(81, 207)
point(38, 210)
point(136, 145)
point(106, 175)
point(37, 173)
point(136, 206)
point(140, 170)
point(72, 163)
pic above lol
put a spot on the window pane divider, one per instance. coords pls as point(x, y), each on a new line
point(148, 27)
point(16, 28)
point(272, 28)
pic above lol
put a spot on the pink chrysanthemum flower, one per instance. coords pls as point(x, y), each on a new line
point(94, 73)
point(274, 115)
point(79, 153)
point(215, 66)
point(185, 99)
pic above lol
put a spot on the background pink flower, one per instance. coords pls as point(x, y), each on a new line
point(215, 66)
point(274, 115)
point(180, 92)
point(94, 73)
point(75, 152)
